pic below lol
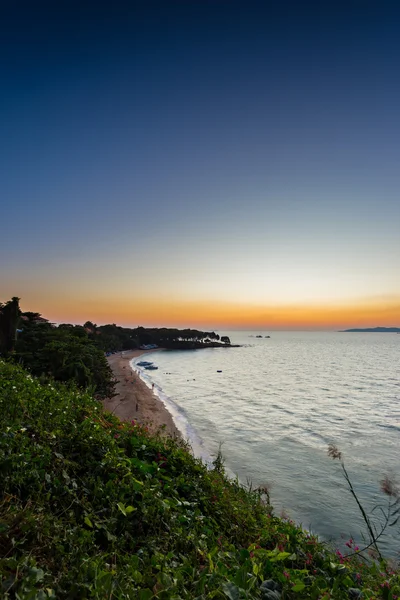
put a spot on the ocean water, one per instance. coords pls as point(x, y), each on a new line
point(276, 406)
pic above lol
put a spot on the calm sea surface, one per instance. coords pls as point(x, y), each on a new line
point(276, 406)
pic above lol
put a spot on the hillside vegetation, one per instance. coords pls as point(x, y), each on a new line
point(93, 508)
point(77, 353)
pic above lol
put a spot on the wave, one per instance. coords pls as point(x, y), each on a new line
point(276, 407)
point(176, 411)
point(389, 426)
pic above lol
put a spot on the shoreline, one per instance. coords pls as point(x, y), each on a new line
point(134, 401)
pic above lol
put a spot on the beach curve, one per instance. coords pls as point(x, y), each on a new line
point(134, 400)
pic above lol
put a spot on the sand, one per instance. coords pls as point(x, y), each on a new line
point(134, 400)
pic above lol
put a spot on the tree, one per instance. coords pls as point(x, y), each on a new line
point(90, 327)
point(65, 353)
point(9, 316)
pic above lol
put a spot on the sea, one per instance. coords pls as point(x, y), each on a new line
point(273, 406)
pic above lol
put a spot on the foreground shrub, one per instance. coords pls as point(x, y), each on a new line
point(93, 508)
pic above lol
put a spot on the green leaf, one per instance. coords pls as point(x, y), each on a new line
point(110, 536)
point(213, 551)
point(210, 563)
point(130, 509)
point(88, 522)
point(145, 594)
point(241, 577)
point(244, 554)
point(299, 587)
point(66, 476)
point(231, 591)
point(122, 508)
point(282, 555)
point(36, 574)
point(165, 580)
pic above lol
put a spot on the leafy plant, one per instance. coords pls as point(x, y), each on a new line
point(94, 508)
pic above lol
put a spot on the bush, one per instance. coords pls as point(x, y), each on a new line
point(94, 508)
point(64, 353)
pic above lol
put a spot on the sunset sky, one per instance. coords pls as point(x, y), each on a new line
point(207, 163)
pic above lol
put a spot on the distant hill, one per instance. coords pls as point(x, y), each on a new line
point(373, 330)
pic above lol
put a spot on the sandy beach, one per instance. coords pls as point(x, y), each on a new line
point(134, 400)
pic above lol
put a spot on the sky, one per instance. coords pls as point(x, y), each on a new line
point(204, 163)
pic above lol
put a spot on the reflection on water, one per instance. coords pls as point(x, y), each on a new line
point(279, 402)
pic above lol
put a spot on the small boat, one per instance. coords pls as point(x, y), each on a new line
point(151, 368)
point(144, 363)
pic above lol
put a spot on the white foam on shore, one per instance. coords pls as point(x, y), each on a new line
point(177, 412)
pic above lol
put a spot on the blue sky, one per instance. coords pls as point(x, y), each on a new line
point(211, 151)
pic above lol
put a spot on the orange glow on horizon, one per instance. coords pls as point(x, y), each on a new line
point(158, 311)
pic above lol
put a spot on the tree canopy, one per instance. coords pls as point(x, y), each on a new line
point(9, 315)
point(77, 352)
point(64, 353)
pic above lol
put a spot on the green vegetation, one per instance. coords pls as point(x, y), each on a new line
point(112, 338)
point(171, 337)
point(63, 353)
point(75, 353)
point(9, 314)
point(93, 508)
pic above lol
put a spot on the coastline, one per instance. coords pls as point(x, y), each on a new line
point(134, 401)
